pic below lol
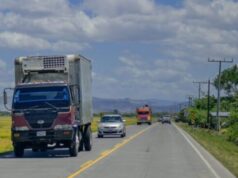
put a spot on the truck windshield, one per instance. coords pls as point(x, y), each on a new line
point(111, 119)
point(143, 113)
point(41, 97)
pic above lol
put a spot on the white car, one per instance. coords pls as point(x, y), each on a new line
point(112, 124)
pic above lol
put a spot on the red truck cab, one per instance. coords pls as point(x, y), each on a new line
point(144, 115)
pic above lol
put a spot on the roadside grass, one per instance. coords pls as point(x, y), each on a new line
point(5, 130)
point(226, 152)
point(5, 134)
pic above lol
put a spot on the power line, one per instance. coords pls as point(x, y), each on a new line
point(219, 86)
point(208, 97)
point(199, 87)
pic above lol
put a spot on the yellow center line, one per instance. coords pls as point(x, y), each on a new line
point(87, 163)
point(106, 153)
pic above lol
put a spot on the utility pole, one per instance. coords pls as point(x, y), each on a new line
point(199, 87)
point(218, 90)
point(190, 100)
point(208, 104)
point(208, 97)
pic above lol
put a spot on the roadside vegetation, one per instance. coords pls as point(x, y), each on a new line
point(203, 125)
point(5, 134)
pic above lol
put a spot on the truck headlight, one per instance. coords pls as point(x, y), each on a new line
point(63, 127)
point(23, 128)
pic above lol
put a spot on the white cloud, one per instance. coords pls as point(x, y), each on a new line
point(24, 41)
point(104, 81)
point(36, 6)
point(3, 65)
point(161, 78)
point(115, 7)
point(18, 40)
point(166, 71)
point(195, 27)
point(183, 36)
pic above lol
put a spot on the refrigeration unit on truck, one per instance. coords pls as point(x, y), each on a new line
point(144, 115)
point(52, 104)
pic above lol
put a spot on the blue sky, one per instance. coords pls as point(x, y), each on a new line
point(139, 48)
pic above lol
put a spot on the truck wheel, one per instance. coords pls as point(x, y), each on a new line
point(88, 139)
point(73, 149)
point(149, 123)
point(80, 140)
point(18, 150)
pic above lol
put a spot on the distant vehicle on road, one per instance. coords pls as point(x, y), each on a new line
point(144, 115)
point(166, 119)
point(111, 124)
point(160, 119)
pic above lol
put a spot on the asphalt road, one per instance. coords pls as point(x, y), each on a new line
point(147, 152)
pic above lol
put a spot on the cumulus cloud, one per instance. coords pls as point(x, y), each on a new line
point(104, 80)
point(163, 77)
point(185, 35)
point(23, 41)
point(36, 7)
point(165, 71)
point(196, 25)
point(17, 40)
point(3, 65)
point(115, 7)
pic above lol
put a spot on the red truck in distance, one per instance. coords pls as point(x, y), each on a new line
point(144, 115)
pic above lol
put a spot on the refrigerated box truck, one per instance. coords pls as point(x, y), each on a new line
point(52, 104)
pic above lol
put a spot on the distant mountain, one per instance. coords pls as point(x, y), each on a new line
point(128, 105)
point(125, 105)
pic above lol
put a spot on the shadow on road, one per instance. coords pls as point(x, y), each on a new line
point(58, 153)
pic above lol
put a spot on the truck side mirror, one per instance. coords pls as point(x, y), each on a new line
point(5, 98)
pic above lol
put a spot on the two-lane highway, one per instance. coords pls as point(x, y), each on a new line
point(147, 152)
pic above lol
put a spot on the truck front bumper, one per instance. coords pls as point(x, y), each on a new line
point(143, 120)
point(42, 136)
point(110, 131)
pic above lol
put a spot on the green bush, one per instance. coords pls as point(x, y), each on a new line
point(197, 117)
point(232, 133)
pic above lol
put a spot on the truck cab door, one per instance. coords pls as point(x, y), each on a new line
point(75, 100)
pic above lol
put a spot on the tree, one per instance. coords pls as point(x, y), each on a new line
point(202, 103)
point(229, 80)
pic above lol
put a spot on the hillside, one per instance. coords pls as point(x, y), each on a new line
point(125, 105)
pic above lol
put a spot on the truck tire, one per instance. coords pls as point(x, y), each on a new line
point(149, 123)
point(87, 138)
point(18, 150)
point(74, 146)
point(80, 140)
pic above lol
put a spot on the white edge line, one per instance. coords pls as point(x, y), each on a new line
point(198, 152)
